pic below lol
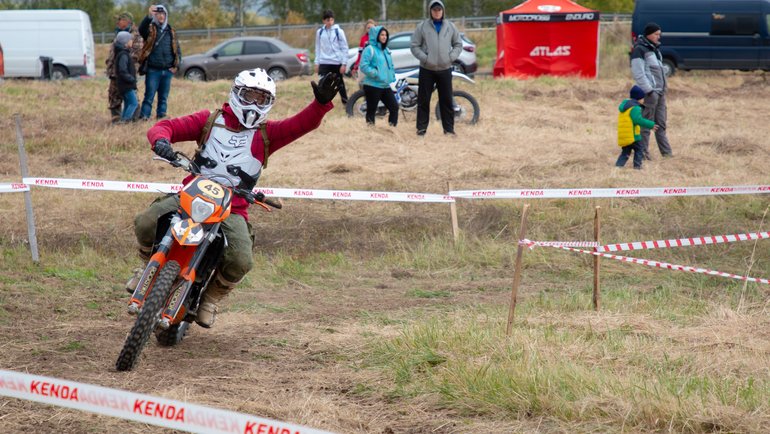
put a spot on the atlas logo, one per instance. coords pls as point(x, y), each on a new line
point(544, 50)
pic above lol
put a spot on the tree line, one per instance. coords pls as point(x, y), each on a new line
point(197, 14)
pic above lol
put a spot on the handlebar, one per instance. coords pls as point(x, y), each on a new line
point(188, 165)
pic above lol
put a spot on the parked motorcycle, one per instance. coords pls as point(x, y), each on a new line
point(466, 108)
point(189, 245)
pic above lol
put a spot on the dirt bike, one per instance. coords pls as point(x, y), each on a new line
point(189, 245)
point(466, 108)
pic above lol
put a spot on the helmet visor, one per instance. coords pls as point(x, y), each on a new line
point(257, 97)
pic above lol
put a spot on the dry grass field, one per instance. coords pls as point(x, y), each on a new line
point(363, 317)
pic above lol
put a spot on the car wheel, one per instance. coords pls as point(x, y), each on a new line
point(59, 73)
point(195, 74)
point(277, 74)
point(669, 68)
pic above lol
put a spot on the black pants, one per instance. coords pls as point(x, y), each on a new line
point(373, 97)
point(325, 69)
point(442, 80)
point(625, 152)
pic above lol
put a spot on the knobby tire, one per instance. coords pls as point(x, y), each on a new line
point(148, 317)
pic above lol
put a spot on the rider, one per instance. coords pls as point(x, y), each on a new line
point(241, 120)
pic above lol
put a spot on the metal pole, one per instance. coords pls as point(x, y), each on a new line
point(27, 194)
point(517, 269)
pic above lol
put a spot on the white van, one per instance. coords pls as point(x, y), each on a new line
point(61, 34)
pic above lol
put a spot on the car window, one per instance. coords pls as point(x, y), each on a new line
point(729, 24)
point(259, 47)
point(400, 42)
point(231, 49)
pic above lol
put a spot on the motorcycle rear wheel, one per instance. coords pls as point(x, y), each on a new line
point(356, 106)
point(148, 318)
point(466, 108)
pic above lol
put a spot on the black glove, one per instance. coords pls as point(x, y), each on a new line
point(164, 150)
point(327, 87)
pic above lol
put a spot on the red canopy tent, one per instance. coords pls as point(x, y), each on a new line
point(553, 37)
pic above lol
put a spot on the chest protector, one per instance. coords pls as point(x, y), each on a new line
point(227, 154)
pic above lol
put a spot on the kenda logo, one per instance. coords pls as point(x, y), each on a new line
point(543, 50)
point(549, 8)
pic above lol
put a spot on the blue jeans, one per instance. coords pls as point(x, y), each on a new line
point(130, 103)
point(625, 152)
point(156, 81)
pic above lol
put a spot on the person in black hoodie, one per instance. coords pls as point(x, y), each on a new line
point(125, 72)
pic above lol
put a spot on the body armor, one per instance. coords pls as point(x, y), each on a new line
point(227, 154)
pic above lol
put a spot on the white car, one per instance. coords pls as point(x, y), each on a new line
point(401, 52)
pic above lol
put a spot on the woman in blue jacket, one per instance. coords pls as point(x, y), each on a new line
point(377, 67)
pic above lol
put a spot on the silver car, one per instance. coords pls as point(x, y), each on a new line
point(400, 49)
point(234, 55)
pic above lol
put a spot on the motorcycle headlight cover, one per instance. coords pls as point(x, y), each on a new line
point(201, 210)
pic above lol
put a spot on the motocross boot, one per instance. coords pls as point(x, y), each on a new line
point(217, 290)
point(144, 253)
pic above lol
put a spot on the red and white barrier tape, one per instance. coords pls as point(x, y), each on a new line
point(153, 410)
point(575, 193)
point(531, 244)
point(658, 264)
point(683, 242)
point(383, 196)
point(13, 188)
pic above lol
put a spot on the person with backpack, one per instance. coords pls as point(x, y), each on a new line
point(379, 73)
point(159, 60)
point(331, 50)
point(234, 143)
point(125, 75)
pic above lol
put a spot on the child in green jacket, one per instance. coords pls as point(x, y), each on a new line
point(630, 123)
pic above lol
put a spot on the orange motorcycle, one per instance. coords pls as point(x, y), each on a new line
point(189, 245)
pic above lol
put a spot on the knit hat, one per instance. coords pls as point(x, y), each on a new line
point(636, 93)
point(125, 16)
point(651, 28)
point(122, 38)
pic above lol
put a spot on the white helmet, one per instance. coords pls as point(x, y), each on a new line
point(252, 97)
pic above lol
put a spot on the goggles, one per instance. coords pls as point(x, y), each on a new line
point(258, 97)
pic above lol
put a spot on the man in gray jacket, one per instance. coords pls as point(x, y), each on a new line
point(647, 69)
point(436, 43)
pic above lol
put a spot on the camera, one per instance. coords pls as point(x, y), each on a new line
point(160, 9)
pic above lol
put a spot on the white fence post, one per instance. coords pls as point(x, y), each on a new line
point(27, 194)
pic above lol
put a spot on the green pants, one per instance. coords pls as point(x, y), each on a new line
point(237, 259)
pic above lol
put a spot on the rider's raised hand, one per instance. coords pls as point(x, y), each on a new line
point(327, 87)
point(164, 150)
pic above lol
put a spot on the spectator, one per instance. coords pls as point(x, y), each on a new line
point(647, 69)
point(379, 73)
point(125, 71)
point(361, 45)
point(221, 136)
point(436, 43)
point(159, 59)
point(331, 50)
point(629, 121)
point(125, 23)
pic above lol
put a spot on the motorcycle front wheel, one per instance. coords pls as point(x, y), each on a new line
point(148, 317)
point(466, 108)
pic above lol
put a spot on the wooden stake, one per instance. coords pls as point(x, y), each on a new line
point(517, 268)
point(453, 214)
point(597, 233)
point(31, 231)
